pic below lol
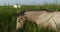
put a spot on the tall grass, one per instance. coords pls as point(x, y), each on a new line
point(8, 18)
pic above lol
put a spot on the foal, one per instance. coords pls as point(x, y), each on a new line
point(27, 15)
point(51, 19)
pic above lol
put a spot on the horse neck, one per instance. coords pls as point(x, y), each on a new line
point(32, 15)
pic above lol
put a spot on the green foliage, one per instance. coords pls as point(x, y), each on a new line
point(8, 17)
point(49, 7)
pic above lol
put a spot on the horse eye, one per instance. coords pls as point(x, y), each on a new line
point(18, 21)
point(20, 18)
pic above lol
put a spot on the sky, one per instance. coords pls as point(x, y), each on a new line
point(27, 2)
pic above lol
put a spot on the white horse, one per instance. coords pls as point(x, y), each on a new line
point(51, 19)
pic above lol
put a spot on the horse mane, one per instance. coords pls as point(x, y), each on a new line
point(22, 12)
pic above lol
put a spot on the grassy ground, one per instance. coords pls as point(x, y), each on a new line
point(8, 18)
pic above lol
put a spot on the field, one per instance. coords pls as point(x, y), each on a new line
point(8, 17)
